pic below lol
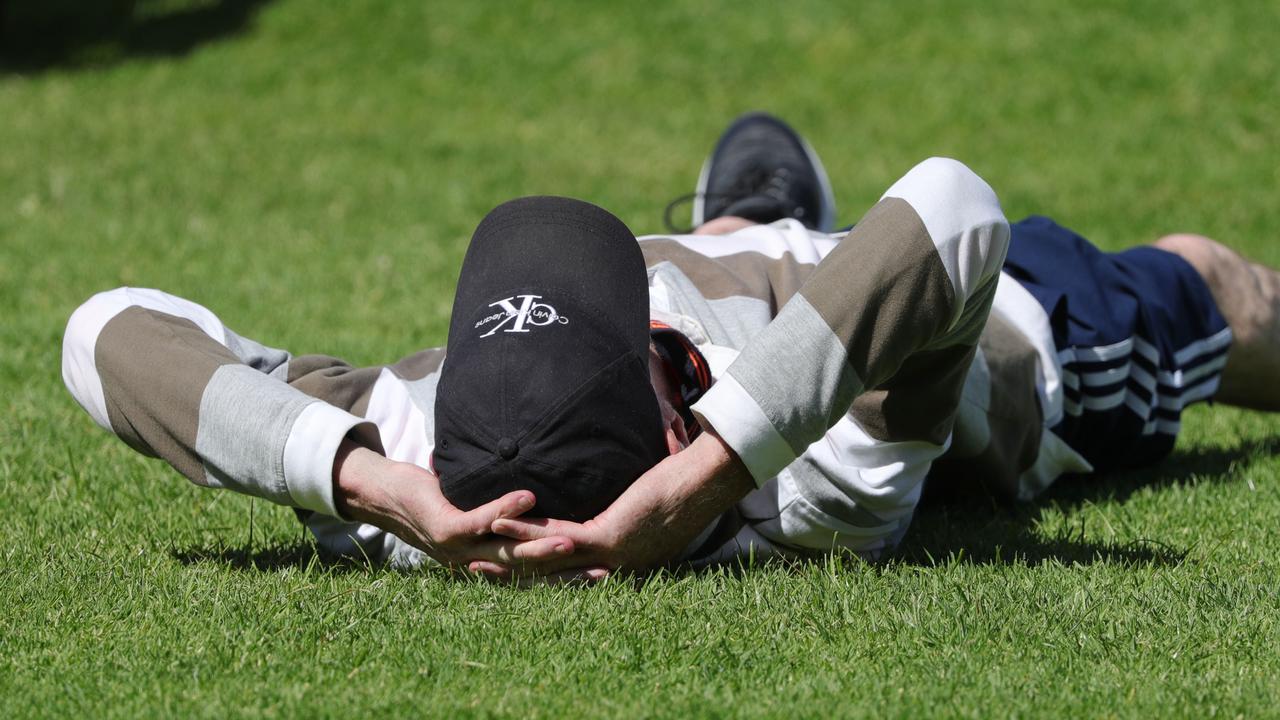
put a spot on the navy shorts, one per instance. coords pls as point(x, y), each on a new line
point(1138, 335)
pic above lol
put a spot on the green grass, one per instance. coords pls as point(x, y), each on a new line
point(313, 176)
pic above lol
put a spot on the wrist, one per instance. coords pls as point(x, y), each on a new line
point(724, 478)
point(356, 471)
point(731, 474)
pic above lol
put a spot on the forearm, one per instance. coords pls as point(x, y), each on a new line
point(405, 500)
point(847, 491)
point(914, 277)
point(364, 487)
point(657, 518)
point(158, 372)
point(711, 480)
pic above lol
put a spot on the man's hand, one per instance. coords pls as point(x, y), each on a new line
point(656, 518)
point(405, 500)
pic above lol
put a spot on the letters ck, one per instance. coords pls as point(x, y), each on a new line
point(518, 319)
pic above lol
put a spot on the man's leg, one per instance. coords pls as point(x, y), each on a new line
point(723, 225)
point(760, 170)
point(1248, 296)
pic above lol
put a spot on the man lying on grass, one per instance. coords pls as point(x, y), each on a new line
point(765, 387)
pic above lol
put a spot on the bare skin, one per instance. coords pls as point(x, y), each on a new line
point(667, 506)
point(405, 500)
point(1248, 296)
point(656, 518)
point(650, 524)
point(723, 225)
point(660, 376)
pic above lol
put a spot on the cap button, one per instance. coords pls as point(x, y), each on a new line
point(507, 448)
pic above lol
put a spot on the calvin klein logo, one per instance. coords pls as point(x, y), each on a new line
point(514, 318)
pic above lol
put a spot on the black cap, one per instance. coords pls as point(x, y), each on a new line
point(546, 384)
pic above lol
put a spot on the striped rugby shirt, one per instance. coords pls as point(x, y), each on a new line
point(844, 370)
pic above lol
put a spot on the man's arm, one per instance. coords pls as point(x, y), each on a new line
point(405, 500)
point(656, 518)
point(168, 378)
point(890, 318)
point(907, 291)
point(841, 405)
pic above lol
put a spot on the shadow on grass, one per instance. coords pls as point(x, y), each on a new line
point(953, 524)
point(271, 558)
point(42, 35)
point(963, 522)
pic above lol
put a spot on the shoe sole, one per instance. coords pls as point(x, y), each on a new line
point(828, 219)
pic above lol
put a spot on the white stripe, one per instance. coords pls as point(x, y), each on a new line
point(773, 241)
point(407, 432)
point(1106, 402)
point(309, 451)
point(1152, 425)
point(1183, 378)
point(963, 218)
point(1217, 341)
point(80, 343)
point(1146, 350)
point(1199, 392)
point(1021, 310)
point(1106, 377)
point(1144, 379)
point(743, 425)
point(1168, 403)
point(1168, 380)
point(1139, 408)
point(1101, 353)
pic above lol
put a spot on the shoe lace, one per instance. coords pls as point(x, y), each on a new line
point(774, 183)
point(671, 206)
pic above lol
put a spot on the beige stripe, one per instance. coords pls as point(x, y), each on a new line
point(1013, 414)
point(154, 368)
point(245, 421)
point(889, 270)
point(334, 381)
point(919, 401)
point(419, 364)
point(337, 383)
point(799, 378)
point(745, 274)
point(812, 481)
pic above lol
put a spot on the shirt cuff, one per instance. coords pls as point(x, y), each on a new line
point(309, 452)
point(738, 419)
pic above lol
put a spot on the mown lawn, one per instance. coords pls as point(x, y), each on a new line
point(312, 172)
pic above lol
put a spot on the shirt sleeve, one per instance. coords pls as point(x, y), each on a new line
point(847, 490)
point(167, 377)
point(883, 330)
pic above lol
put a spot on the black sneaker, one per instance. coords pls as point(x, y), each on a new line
point(762, 170)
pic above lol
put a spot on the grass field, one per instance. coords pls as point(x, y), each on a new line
point(312, 172)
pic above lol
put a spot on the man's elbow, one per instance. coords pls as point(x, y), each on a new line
point(79, 347)
point(962, 215)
